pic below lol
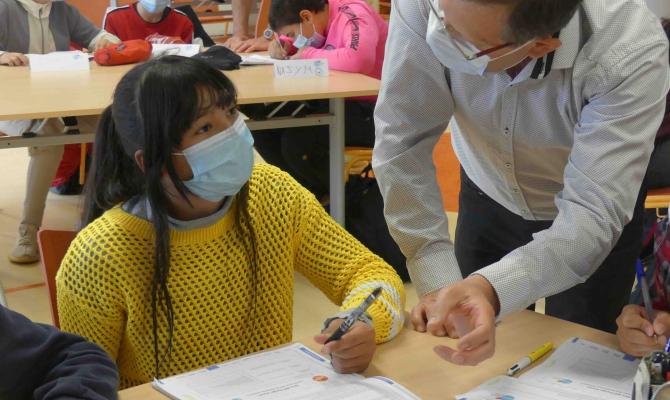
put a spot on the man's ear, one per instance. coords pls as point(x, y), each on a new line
point(544, 46)
point(139, 159)
point(307, 16)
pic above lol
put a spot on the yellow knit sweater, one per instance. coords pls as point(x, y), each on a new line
point(105, 279)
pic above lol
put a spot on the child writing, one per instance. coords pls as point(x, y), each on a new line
point(351, 35)
point(40, 27)
point(188, 253)
point(149, 17)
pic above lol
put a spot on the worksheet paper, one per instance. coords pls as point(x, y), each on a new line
point(184, 50)
point(59, 61)
point(290, 373)
point(256, 59)
point(577, 370)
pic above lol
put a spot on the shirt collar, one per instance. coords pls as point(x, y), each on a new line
point(572, 38)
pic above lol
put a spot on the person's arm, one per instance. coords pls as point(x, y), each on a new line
point(241, 12)
point(85, 34)
point(87, 306)
point(188, 34)
point(613, 141)
point(341, 267)
point(41, 362)
point(413, 111)
point(108, 24)
point(360, 38)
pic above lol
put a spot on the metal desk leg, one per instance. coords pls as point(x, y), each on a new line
point(3, 300)
point(337, 161)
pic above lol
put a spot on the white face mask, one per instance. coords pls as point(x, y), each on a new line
point(317, 40)
point(445, 48)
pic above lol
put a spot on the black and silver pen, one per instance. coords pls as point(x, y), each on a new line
point(346, 325)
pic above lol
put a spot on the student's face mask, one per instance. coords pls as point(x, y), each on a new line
point(458, 54)
point(155, 6)
point(317, 40)
point(221, 164)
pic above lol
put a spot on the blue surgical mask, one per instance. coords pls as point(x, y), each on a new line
point(221, 164)
point(155, 6)
point(317, 40)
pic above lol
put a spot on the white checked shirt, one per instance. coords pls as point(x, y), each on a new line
point(568, 139)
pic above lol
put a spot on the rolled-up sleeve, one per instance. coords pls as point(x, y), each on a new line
point(413, 111)
point(613, 141)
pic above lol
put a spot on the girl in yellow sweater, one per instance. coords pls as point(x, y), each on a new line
point(188, 251)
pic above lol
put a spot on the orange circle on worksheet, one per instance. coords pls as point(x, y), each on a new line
point(320, 378)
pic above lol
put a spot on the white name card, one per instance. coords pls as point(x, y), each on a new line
point(59, 61)
point(301, 68)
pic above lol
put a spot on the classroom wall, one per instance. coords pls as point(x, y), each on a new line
point(95, 9)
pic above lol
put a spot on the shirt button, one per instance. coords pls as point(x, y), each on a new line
point(515, 191)
point(508, 165)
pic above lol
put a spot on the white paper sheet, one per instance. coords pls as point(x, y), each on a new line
point(256, 59)
point(578, 369)
point(508, 388)
point(184, 50)
point(290, 373)
point(59, 61)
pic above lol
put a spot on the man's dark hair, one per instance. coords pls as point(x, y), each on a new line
point(534, 19)
point(287, 12)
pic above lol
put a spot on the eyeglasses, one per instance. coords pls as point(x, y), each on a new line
point(459, 41)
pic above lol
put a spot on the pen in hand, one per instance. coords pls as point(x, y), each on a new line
point(281, 47)
point(346, 325)
point(644, 286)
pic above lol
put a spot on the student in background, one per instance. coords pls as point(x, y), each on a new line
point(352, 36)
point(40, 27)
point(146, 18)
point(42, 363)
point(188, 251)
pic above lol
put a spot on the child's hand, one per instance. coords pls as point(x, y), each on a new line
point(297, 55)
point(636, 335)
point(103, 44)
point(278, 52)
point(353, 352)
point(13, 59)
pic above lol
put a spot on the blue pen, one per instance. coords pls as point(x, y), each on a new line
point(642, 279)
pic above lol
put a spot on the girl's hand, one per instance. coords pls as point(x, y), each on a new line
point(278, 52)
point(353, 352)
point(297, 55)
point(636, 334)
point(13, 59)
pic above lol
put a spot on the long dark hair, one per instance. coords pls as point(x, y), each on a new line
point(154, 106)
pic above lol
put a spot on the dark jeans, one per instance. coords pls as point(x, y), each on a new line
point(304, 152)
point(487, 231)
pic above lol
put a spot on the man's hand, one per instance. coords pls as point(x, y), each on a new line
point(353, 352)
point(13, 59)
point(103, 44)
point(636, 334)
point(297, 55)
point(235, 41)
point(251, 45)
point(465, 309)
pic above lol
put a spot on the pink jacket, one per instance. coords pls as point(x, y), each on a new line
point(355, 40)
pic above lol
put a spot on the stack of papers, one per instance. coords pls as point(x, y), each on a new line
point(577, 370)
point(255, 59)
point(290, 373)
point(184, 50)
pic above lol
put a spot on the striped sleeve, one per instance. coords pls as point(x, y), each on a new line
point(343, 269)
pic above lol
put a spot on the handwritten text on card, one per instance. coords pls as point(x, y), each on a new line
point(301, 68)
